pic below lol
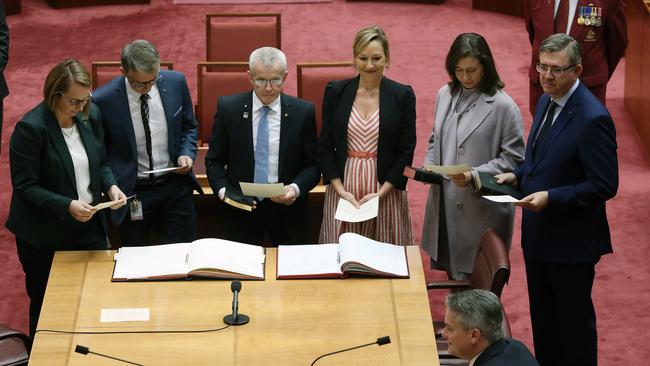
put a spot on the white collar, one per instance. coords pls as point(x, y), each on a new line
point(274, 105)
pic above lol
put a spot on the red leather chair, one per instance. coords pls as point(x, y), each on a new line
point(231, 37)
point(104, 71)
point(313, 78)
point(215, 79)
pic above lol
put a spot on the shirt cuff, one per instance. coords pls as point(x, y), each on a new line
point(222, 193)
point(295, 186)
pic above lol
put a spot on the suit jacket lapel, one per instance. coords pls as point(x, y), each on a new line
point(562, 120)
point(61, 147)
point(440, 116)
point(285, 127)
point(169, 115)
point(483, 108)
point(122, 107)
point(342, 114)
point(246, 116)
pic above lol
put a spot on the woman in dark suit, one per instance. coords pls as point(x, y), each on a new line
point(58, 171)
point(367, 139)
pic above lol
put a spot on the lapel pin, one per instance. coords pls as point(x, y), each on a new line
point(245, 115)
point(286, 114)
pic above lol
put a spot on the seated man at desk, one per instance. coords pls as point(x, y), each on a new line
point(473, 328)
point(265, 136)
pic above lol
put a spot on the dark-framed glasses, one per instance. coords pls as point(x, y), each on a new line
point(142, 84)
point(555, 71)
point(78, 102)
point(261, 83)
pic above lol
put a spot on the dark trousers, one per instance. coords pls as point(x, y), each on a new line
point(562, 313)
point(36, 264)
point(169, 215)
point(279, 223)
point(536, 91)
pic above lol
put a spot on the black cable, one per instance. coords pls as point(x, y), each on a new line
point(133, 331)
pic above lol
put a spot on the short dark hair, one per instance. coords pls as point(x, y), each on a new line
point(140, 55)
point(473, 45)
point(480, 309)
point(560, 42)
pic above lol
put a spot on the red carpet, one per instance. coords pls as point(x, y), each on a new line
point(420, 35)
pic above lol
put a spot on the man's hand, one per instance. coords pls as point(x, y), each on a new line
point(81, 211)
point(460, 180)
point(289, 196)
point(185, 164)
point(507, 178)
point(535, 202)
point(114, 193)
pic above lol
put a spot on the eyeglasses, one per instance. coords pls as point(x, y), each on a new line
point(261, 83)
point(555, 71)
point(142, 84)
point(78, 102)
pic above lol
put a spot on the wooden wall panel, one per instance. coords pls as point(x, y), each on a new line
point(637, 69)
point(509, 7)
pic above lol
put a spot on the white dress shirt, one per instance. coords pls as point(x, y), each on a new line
point(573, 4)
point(561, 101)
point(157, 125)
point(79, 162)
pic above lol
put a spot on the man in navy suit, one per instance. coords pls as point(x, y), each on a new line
point(265, 136)
point(570, 171)
point(149, 125)
point(474, 331)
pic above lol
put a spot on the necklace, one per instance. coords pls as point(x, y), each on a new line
point(67, 132)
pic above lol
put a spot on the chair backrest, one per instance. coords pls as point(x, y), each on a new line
point(313, 78)
point(104, 71)
point(231, 37)
point(14, 346)
point(215, 79)
point(492, 267)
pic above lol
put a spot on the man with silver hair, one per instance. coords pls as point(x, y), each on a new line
point(265, 136)
point(149, 125)
point(570, 171)
point(474, 330)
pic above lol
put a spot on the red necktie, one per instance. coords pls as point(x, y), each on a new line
point(562, 17)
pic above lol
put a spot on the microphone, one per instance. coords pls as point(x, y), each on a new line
point(85, 350)
point(235, 318)
point(380, 341)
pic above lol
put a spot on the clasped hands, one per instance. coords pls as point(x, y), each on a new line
point(535, 201)
point(348, 196)
point(82, 211)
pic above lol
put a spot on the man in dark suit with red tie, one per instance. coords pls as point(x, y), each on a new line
point(598, 25)
point(570, 171)
point(265, 136)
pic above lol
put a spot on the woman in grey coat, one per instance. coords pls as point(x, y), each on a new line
point(478, 124)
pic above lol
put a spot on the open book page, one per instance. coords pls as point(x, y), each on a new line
point(379, 257)
point(156, 261)
point(224, 256)
point(320, 260)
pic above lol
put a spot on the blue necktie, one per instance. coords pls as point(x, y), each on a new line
point(262, 148)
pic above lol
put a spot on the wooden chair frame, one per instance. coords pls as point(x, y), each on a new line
point(94, 66)
point(209, 16)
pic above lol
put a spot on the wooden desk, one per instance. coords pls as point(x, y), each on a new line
point(292, 321)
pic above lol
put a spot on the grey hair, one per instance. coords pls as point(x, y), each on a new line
point(140, 55)
point(479, 309)
point(560, 42)
point(267, 56)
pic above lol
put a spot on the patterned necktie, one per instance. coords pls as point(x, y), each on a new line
point(262, 148)
point(144, 111)
point(562, 17)
point(548, 122)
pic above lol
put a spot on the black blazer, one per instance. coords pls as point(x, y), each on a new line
point(4, 52)
point(396, 129)
point(43, 178)
point(231, 155)
point(506, 352)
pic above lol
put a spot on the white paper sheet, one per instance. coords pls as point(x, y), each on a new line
point(125, 315)
point(103, 205)
point(308, 260)
point(448, 169)
point(170, 169)
point(348, 213)
point(502, 199)
point(262, 190)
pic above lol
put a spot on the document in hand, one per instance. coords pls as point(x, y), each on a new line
point(210, 258)
point(355, 254)
point(487, 184)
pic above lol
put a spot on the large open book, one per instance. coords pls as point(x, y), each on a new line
point(355, 254)
point(210, 258)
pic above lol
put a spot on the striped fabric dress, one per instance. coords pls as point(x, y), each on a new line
point(393, 222)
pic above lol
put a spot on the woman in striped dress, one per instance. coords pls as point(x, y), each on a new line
point(367, 138)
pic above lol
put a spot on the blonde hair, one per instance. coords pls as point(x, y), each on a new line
point(367, 35)
point(61, 78)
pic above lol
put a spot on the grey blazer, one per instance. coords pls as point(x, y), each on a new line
point(492, 142)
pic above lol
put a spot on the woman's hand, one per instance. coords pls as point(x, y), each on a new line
point(350, 198)
point(462, 179)
point(81, 211)
point(114, 193)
